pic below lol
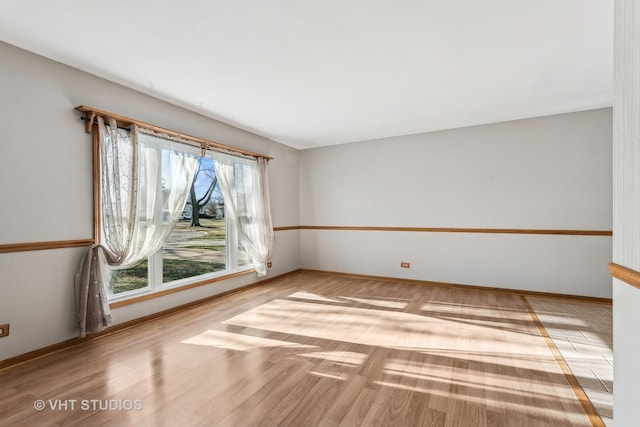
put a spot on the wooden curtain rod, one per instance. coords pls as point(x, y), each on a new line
point(91, 114)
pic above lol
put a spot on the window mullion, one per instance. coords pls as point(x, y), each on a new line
point(232, 245)
point(155, 270)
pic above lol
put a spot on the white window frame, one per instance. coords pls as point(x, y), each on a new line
point(154, 270)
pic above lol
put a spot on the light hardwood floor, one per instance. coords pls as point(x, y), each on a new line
point(307, 350)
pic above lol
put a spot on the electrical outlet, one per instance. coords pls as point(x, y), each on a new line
point(4, 330)
point(269, 264)
point(405, 264)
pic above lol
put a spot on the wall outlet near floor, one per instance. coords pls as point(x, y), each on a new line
point(269, 264)
point(405, 264)
point(4, 330)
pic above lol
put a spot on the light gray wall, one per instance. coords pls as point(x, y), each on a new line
point(46, 191)
point(626, 211)
point(551, 173)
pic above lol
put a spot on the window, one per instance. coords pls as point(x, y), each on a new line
point(198, 243)
point(201, 244)
point(148, 186)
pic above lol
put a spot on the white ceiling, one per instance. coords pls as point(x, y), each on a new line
point(312, 73)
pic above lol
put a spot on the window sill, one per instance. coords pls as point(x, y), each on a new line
point(167, 291)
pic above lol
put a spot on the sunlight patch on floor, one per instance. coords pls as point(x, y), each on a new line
point(341, 377)
point(314, 297)
point(238, 342)
point(369, 326)
point(344, 357)
point(379, 303)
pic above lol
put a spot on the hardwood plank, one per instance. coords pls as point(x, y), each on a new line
point(312, 349)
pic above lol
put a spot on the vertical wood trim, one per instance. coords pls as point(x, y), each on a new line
point(96, 184)
point(586, 404)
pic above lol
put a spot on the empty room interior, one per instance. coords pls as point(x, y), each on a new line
point(320, 213)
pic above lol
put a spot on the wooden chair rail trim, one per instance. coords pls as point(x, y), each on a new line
point(41, 246)
point(589, 410)
point(581, 298)
point(463, 230)
point(289, 227)
point(560, 232)
point(54, 348)
point(63, 244)
point(91, 113)
point(625, 274)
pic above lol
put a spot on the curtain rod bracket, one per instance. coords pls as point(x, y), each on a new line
point(89, 123)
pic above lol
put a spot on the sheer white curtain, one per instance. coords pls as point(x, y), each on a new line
point(145, 181)
point(244, 184)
